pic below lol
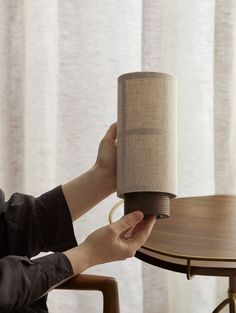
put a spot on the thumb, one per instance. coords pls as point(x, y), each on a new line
point(128, 221)
point(112, 131)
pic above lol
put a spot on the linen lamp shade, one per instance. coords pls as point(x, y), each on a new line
point(146, 142)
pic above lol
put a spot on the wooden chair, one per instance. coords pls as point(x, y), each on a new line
point(107, 285)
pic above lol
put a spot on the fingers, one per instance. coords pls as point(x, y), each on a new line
point(142, 231)
point(112, 131)
point(128, 221)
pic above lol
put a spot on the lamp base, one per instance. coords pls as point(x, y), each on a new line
point(150, 203)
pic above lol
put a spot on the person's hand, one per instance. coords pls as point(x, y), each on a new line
point(107, 155)
point(119, 240)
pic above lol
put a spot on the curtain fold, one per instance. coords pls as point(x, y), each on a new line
point(224, 97)
point(59, 63)
point(9, 57)
point(40, 93)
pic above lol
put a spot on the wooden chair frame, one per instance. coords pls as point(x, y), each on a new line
point(107, 285)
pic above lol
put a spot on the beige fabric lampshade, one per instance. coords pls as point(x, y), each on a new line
point(146, 139)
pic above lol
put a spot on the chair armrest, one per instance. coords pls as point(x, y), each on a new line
point(107, 285)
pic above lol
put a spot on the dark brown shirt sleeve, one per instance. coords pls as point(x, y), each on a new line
point(28, 226)
point(33, 225)
point(23, 282)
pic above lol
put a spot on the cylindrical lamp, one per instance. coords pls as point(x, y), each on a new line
point(146, 142)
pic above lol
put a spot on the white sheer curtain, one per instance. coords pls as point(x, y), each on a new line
point(195, 40)
point(59, 61)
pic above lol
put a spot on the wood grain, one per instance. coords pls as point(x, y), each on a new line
point(202, 229)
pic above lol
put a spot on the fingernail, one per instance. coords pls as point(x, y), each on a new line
point(138, 215)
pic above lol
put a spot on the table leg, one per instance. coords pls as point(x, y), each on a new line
point(232, 306)
point(222, 305)
point(231, 300)
point(232, 294)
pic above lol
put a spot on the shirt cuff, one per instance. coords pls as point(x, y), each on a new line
point(23, 281)
point(55, 220)
point(55, 266)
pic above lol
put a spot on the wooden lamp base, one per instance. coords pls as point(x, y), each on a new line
point(150, 203)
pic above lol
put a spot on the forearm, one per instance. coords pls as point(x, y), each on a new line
point(79, 258)
point(85, 191)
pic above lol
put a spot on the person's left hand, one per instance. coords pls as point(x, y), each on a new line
point(107, 154)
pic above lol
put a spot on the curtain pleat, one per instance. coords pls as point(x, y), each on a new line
point(40, 94)
point(224, 97)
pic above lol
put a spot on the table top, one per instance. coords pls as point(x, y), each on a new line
point(199, 238)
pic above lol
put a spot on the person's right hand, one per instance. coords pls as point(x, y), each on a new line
point(117, 241)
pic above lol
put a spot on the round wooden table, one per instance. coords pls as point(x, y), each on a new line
point(199, 238)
